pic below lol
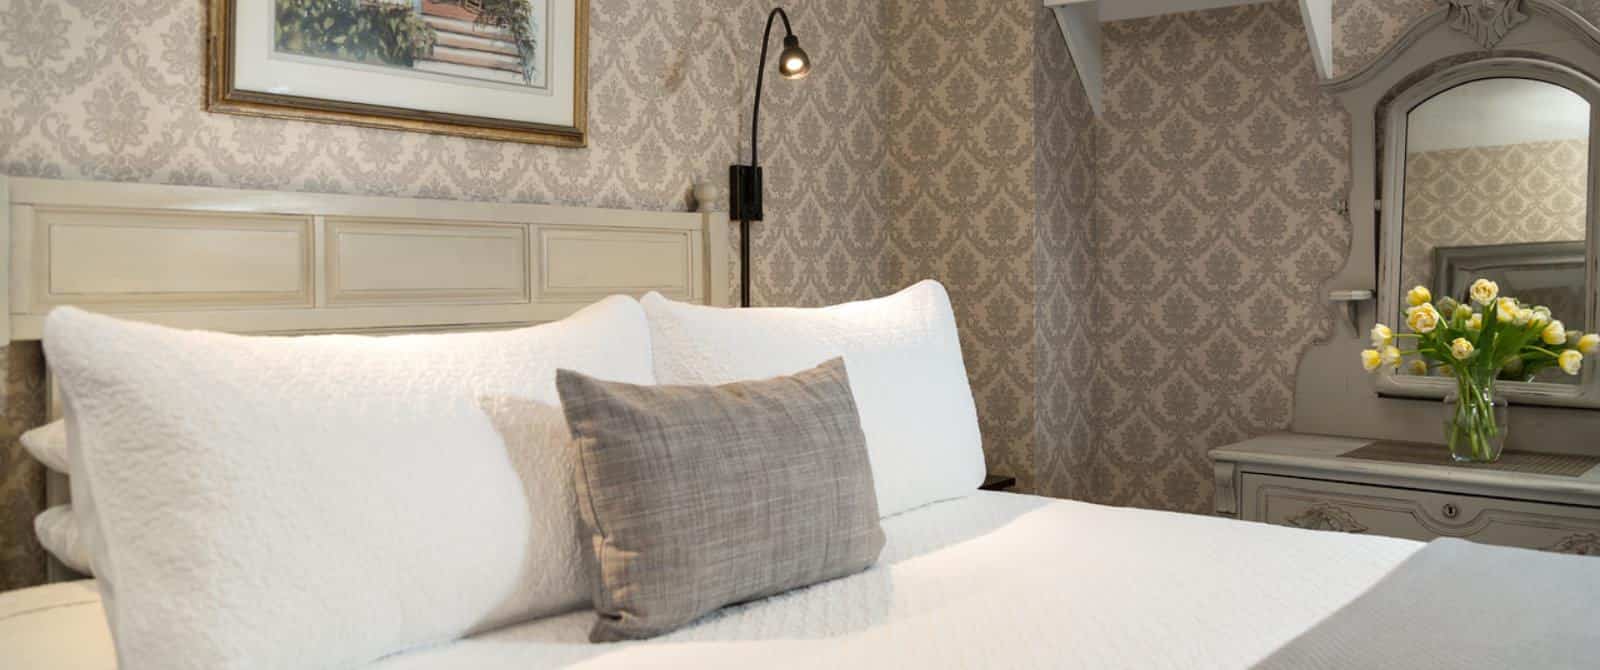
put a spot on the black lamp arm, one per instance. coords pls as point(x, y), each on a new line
point(761, 75)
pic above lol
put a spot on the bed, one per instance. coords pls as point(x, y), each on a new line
point(990, 580)
point(983, 580)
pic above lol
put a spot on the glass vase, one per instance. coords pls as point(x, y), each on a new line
point(1476, 421)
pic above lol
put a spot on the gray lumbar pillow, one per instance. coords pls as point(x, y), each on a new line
point(703, 496)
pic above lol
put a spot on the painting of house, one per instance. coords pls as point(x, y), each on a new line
point(492, 40)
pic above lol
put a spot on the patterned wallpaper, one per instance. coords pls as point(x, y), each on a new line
point(959, 181)
point(1064, 461)
point(1362, 29)
point(112, 90)
point(1217, 162)
point(1531, 192)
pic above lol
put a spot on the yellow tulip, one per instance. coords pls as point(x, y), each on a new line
point(1507, 311)
point(1588, 344)
point(1462, 349)
point(1419, 295)
point(1484, 291)
point(1419, 368)
point(1422, 318)
point(1541, 316)
point(1571, 361)
point(1371, 360)
point(1554, 334)
point(1381, 335)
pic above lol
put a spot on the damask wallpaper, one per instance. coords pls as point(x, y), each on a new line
point(1362, 29)
point(1530, 192)
point(1217, 162)
point(959, 181)
point(1064, 461)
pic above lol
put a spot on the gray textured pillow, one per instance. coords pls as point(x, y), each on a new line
point(705, 496)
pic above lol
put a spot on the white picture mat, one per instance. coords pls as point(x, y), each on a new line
point(257, 69)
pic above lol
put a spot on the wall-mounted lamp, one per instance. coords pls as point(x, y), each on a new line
point(744, 181)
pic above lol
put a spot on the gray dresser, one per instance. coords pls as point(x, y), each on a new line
point(1537, 501)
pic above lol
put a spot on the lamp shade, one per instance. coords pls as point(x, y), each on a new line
point(793, 63)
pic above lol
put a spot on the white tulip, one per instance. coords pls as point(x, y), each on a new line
point(1461, 349)
point(1371, 360)
point(1391, 357)
point(1475, 323)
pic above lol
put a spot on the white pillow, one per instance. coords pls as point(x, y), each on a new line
point(57, 529)
point(268, 502)
point(905, 367)
point(48, 445)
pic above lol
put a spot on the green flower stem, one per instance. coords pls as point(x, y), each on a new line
point(1474, 419)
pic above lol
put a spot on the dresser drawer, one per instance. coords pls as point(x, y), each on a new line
point(1419, 515)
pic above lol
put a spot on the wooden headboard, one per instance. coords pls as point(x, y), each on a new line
point(277, 262)
point(289, 263)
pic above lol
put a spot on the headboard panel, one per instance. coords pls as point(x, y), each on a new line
point(277, 262)
point(272, 262)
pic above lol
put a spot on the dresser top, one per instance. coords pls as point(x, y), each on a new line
point(1298, 454)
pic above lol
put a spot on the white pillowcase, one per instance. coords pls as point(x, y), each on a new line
point(48, 445)
point(313, 502)
point(904, 360)
point(57, 529)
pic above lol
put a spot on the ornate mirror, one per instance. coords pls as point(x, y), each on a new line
point(1489, 172)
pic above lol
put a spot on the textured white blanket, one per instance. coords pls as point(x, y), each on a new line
point(1001, 580)
point(993, 580)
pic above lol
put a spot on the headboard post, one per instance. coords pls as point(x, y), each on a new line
point(9, 256)
point(718, 273)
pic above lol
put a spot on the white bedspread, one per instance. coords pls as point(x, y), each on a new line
point(992, 580)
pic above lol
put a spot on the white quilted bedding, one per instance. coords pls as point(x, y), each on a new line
point(993, 580)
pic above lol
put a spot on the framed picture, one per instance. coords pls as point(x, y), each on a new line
point(511, 70)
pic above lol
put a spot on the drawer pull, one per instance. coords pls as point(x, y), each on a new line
point(1451, 511)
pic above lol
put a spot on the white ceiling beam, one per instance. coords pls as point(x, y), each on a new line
point(1318, 17)
point(1080, 25)
point(1119, 10)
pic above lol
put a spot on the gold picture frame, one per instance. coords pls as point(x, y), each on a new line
point(223, 96)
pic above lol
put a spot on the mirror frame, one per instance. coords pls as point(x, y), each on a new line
point(1392, 222)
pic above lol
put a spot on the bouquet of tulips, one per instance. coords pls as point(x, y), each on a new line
point(1491, 337)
